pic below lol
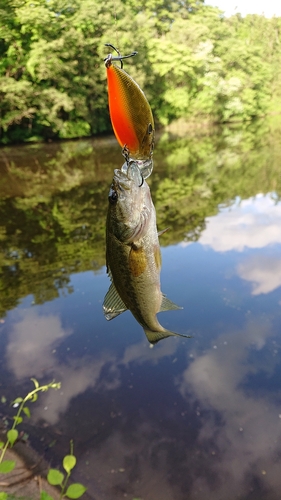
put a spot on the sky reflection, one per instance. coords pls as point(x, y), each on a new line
point(241, 428)
point(263, 271)
point(252, 223)
point(190, 419)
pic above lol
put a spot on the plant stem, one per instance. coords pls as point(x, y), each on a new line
point(64, 485)
point(29, 396)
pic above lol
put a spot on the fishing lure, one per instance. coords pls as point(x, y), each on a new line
point(130, 113)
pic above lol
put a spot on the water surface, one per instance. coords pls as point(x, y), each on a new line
point(186, 419)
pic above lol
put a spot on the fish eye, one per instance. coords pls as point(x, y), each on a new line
point(113, 197)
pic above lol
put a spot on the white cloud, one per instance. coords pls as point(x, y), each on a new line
point(142, 352)
point(31, 352)
point(263, 271)
point(253, 223)
point(243, 428)
point(31, 342)
point(75, 378)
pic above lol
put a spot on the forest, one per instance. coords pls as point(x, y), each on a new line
point(192, 63)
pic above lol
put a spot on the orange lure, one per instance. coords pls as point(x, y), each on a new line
point(130, 112)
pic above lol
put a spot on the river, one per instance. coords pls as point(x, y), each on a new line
point(186, 419)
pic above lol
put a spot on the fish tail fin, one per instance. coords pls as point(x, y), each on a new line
point(154, 336)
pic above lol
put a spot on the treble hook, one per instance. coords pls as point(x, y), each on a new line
point(108, 60)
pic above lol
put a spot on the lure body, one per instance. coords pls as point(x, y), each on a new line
point(130, 113)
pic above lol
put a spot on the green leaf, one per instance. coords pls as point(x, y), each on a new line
point(7, 466)
point(44, 496)
point(12, 435)
point(3, 399)
point(55, 477)
point(26, 411)
point(55, 385)
point(34, 398)
point(69, 462)
point(18, 420)
point(25, 437)
point(75, 490)
point(1, 444)
point(36, 383)
point(3, 496)
point(17, 401)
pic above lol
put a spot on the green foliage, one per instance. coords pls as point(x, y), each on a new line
point(7, 466)
point(57, 478)
point(54, 477)
point(192, 63)
point(44, 496)
point(75, 490)
point(69, 462)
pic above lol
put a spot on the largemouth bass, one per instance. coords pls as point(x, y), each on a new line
point(133, 255)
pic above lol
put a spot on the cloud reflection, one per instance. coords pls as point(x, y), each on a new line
point(242, 429)
point(141, 353)
point(252, 223)
point(31, 352)
point(263, 271)
point(31, 342)
point(132, 466)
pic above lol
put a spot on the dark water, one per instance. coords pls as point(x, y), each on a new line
point(187, 419)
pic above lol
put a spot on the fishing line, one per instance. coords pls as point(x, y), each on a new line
point(115, 23)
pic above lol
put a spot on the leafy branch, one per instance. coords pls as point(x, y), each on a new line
point(54, 477)
point(57, 478)
point(12, 434)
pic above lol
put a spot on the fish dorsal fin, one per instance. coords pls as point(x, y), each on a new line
point(113, 305)
point(168, 305)
point(154, 337)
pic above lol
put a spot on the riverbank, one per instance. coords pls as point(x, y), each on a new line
point(28, 479)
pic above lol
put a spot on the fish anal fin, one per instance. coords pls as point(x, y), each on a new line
point(153, 337)
point(137, 261)
point(168, 305)
point(113, 305)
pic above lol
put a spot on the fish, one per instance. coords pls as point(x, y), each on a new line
point(133, 256)
point(129, 109)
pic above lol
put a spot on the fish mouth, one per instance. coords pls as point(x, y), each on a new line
point(120, 180)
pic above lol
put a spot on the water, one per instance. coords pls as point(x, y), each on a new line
point(187, 419)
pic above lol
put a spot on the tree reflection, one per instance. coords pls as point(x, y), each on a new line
point(54, 199)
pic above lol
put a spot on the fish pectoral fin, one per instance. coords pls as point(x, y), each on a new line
point(154, 337)
point(168, 305)
point(113, 305)
point(163, 231)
